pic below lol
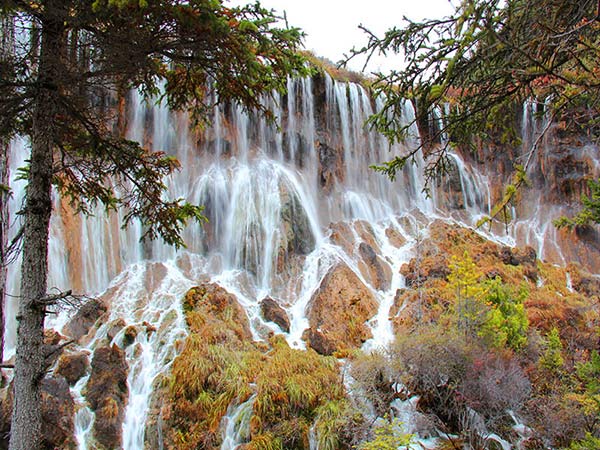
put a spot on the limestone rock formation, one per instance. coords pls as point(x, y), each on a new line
point(211, 304)
point(340, 307)
point(394, 237)
point(73, 366)
point(58, 409)
point(376, 269)
point(85, 318)
point(341, 234)
point(297, 237)
point(272, 312)
point(331, 168)
point(431, 264)
point(106, 392)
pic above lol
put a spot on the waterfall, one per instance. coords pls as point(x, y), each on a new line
point(270, 196)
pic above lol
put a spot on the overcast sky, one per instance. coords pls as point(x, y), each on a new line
point(332, 25)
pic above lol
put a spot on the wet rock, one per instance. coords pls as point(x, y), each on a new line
point(340, 307)
point(297, 233)
point(129, 335)
point(376, 269)
point(155, 422)
point(84, 319)
point(581, 245)
point(73, 366)
point(584, 282)
point(331, 165)
point(319, 342)
point(450, 186)
point(430, 266)
point(210, 304)
point(150, 329)
point(114, 328)
point(272, 312)
point(366, 234)
point(341, 234)
point(395, 237)
point(58, 409)
point(106, 392)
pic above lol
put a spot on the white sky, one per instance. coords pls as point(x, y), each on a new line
point(332, 29)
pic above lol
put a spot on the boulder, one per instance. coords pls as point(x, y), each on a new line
point(525, 257)
point(210, 305)
point(129, 335)
point(72, 366)
point(366, 233)
point(58, 410)
point(84, 319)
point(518, 256)
point(340, 307)
point(114, 328)
point(341, 234)
point(374, 268)
point(106, 392)
point(319, 342)
point(395, 237)
point(429, 267)
point(54, 346)
point(272, 312)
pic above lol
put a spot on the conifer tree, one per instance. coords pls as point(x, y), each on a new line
point(59, 88)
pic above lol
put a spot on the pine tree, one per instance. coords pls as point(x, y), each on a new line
point(57, 90)
point(552, 359)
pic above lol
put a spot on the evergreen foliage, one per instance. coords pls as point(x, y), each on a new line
point(108, 47)
point(552, 359)
point(506, 323)
point(483, 61)
point(590, 213)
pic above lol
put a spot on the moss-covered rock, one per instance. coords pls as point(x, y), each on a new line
point(340, 307)
point(219, 366)
point(106, 392)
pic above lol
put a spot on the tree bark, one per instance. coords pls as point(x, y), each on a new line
point(26, 422)
point(6, 48)
point(4, 221)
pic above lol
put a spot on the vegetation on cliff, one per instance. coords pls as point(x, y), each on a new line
point(487, 338)
point(485, 334)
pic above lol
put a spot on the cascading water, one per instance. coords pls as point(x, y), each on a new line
point(270, 198)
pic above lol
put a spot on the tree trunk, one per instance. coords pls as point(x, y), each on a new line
point(29, 364)
point(4, 221)
point(6, 49)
